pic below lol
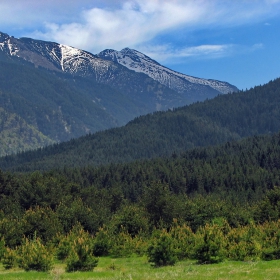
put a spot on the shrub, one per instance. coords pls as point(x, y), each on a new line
point(11, 228)
point(122, 245)
point(2, 248)
point(102, 243)
point(270, 240)
point(9, 259)
point(269, 254)
point(245, 251)
point(140, 244)
point(210, 247)
point(33, 255)
point(81, 256)
point(64, 248)
point(65, 243)
point(244, 243)
point(183, 239)
point(161, 250)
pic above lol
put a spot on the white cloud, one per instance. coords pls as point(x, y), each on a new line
point(209, 50)
point(133, 23)
point(95, 25)
point(257, 46)
point(168, 53)
point(171, 55)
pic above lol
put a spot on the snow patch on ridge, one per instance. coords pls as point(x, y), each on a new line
point(68, 55)
point(107, 67)
point(76, 61)
point(141, 63)
point(12, 48)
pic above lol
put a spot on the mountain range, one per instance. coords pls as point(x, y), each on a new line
point(57, 92)
point(194, 89)
point(169, 133)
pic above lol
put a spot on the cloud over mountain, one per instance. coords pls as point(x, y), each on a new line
point(98, 25)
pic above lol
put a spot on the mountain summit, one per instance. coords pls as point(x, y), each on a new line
point(191, 87)
point(59, 92)
point(111, 67)
point(148, 93)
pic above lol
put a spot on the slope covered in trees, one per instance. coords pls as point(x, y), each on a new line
point(207, 204)
point(224, 118)
point(16, 135)
point(61, 106)
point(57, 105)
point(224, 182)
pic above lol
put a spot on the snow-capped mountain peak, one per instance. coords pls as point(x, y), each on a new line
point(139, 62)
point(115, 68)
point(54, 56)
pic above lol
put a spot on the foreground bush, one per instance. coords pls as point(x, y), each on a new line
point(183, 239)
point(244, 243)
point(33, 255)
point(9, 258)
point(81, 256)
point(119, 244)
point(122, 246)
point(161, 250)
point(102, 243)
point(66, 241)
point(211, 243)
point(2, 248)
point(271, 241)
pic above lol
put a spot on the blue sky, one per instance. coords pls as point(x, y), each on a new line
point(230, 40)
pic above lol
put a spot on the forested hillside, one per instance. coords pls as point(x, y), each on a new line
point(227, 182)
point(226, 196)
point(16, 135)
point(224, 118)
point(59, 106)
point(61, 92)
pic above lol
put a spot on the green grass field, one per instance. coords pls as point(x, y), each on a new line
point(138, 268)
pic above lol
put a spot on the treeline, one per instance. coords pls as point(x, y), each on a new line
point(33, 241)
point(209, 204)
point(199, 186)
point(249, 167)
point(211, 243)
point(224, 118)
point(242, 169)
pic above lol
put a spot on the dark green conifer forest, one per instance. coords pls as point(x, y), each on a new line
point(200, 182)
point(224, 118)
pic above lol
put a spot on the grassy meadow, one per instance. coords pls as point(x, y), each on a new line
point(138, 268)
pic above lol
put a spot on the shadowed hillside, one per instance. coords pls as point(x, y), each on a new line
point(224, 118)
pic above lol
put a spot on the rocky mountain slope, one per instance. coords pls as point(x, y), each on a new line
point(194, 89)
point(62, 92)
point(65, 59)
point(106, 68)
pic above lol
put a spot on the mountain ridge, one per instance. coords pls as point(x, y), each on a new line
point(160, 134)
point(184, 84)
point(64, 92)
point(60, 57)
